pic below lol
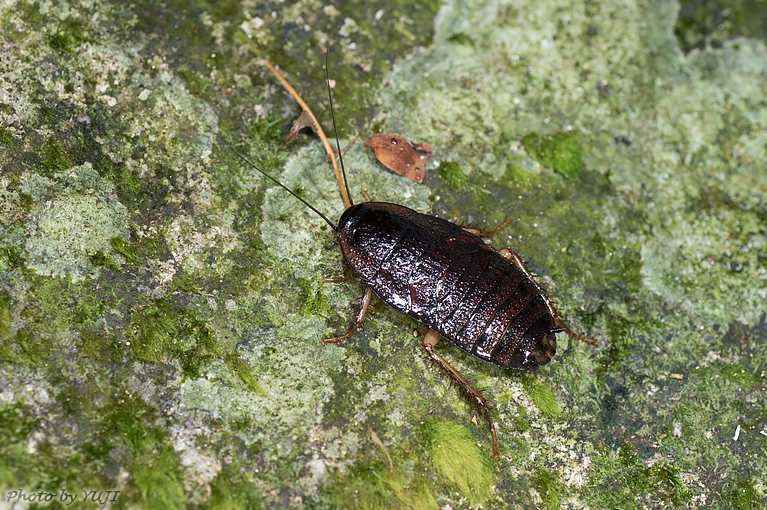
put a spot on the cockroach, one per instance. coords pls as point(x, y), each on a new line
point(444, 276)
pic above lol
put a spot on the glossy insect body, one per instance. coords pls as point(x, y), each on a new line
point(442, 275)
point(448, 279)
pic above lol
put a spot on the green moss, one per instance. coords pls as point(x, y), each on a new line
point(463, 38)
point(53, 157)
point(185, 282)
point(155, 470)
point(541, 395)
point(233, 490)
point(459, 462)
point(562, 152)
point(24, 347)
point(243, 371)
point(11, 257)
point(15, 423)
point(101, 259)
point(366, 487)
point(453, 174)
point(744, 496)
point(100, 347)
point(267, 128)
point(615, 356)
point(196, 82)
point(313, 300)
point(68, 34)
point(126, 249)
point(737, 374)
point(634, 481)
point(59, 41)
point(157, 476)
point(119, 174)
point(521, 424)
point(161, 330)
point(5, 316)
point(6, 137)
point(26, 201)
point(550, 488)
point(516, 174)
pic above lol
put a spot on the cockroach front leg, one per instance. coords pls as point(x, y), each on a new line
point(487, 233)
point(430, 340)
point(338, 279)
point(338, 340)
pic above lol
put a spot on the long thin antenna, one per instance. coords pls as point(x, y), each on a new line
point(307, 204)
point(335, 131)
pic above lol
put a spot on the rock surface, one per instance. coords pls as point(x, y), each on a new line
point(161, 308)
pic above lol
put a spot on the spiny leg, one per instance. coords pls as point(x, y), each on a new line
point(430, 340)
point(338, 340)
point(572, 333)
point(487, 233)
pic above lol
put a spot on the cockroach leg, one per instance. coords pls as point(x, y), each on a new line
point(338, 279)
point(487, 233)
point(572, 333)
point(513, 257)
point(430, 340)
point(365, 194)
point(338, 340)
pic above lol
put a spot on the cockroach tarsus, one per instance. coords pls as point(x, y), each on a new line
point(443, 275)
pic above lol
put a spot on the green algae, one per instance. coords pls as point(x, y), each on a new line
point(562, 152)
point(68, 230)
point(634, 482)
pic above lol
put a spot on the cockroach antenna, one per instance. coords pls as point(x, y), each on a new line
point(335, 131)
point(253, 165)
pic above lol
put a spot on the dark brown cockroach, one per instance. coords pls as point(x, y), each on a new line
point(444, 276)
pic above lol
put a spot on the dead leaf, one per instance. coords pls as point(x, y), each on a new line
point(303, 120)
point(401, 155)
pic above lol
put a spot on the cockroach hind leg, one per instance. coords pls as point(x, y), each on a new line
point(573, 334)
point(430, 340)
point(338, 340)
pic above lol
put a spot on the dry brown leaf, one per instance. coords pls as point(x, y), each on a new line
point(303, 120)
point(399, 154)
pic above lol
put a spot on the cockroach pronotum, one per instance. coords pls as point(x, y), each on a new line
point(444, 276)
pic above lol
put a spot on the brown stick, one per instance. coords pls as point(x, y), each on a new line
point(317, 125)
